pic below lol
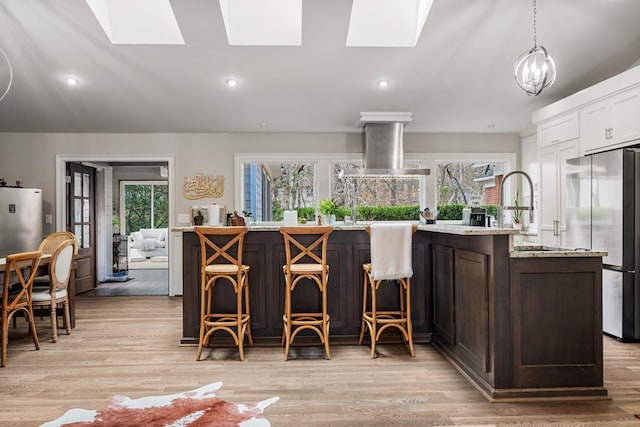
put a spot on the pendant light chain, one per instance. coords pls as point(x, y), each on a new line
point(535, 11)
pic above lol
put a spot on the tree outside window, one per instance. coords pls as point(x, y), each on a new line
point(375, 198)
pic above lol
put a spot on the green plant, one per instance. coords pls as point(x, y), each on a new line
point(246, 214)
point(327, 206)
point(517, 214)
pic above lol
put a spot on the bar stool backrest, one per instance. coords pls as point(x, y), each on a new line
point(298, 252)
point(221, 253)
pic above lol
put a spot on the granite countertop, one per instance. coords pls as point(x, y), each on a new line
point(437, 228)
point(528, 250)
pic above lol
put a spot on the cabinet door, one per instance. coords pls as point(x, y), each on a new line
point(471, 309)
point(559, 130)
point(548, 193)
point(443, 295)
point(594, 122)
point(553, 193)
point(566, 151)
point(611, 123)
point(626, 117)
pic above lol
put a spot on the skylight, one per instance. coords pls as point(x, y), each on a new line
point(137, 21)
point(263, 23)
point(387, 23)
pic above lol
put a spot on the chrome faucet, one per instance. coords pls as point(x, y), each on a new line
point(501, 196)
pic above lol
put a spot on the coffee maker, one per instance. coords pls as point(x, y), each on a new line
point(478, 217)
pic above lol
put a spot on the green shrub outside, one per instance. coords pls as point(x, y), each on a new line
point(385, 213)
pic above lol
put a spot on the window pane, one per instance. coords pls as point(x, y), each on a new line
point(462, 184)
point(85, 185)
point(369, 194)
point(77, 184)
point(85, 210)
point(270, 188)
point(78, 233)
point(86, 241)
point(137, 205)
point(77, 210)
point(161, 206)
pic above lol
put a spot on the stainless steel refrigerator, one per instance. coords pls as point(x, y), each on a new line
point(20, 220)
point(603, 212)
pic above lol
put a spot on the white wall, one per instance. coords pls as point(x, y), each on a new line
point(209, 154)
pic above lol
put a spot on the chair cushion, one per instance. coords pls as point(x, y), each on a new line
point(42, 296)
point(224, 268)
point(306, 268)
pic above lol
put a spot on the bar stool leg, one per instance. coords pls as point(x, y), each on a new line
point(247, 310)
point(287, 318)
point(363, 324)
point(408, 316)
point(374, 316)
point(325, 317)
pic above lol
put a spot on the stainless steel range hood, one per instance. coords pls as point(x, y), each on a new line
point(382, 133)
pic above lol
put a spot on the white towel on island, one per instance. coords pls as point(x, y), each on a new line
point(391, 251)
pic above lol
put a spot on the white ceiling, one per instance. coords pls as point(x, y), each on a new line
point(459, 77)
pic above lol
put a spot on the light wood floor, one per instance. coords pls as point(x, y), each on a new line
point(130, 346)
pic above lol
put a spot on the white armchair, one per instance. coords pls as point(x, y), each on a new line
point(148, 242)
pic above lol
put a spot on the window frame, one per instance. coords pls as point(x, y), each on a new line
point(322, 186)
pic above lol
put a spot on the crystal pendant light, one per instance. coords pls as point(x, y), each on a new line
point(534, 70)
point(6, 74)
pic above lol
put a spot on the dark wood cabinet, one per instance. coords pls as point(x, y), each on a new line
point(443, 293)
point(471, 314)
point(347, 251)
point(556, 322)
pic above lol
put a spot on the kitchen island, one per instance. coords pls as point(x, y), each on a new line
point(517, 323)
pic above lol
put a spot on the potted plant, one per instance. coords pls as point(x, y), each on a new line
point(247, 216)
point(198, 218)
point(517, 214)
point(327, 209)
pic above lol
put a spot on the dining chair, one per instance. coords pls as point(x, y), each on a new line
point(390, 263)
point(60, 268)
point(51, 242)
point(16, 297)
point(221, 258)
point(306, 259)
point(48, 246)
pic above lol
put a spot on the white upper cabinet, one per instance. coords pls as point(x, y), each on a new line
point(562, 129)
point(612, 122)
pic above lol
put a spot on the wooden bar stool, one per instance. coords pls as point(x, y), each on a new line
point(219, 262)
point(306, 258)
point(390, 262)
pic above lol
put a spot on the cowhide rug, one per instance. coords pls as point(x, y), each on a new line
point(193, 408)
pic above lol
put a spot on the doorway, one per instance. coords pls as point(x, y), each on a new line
point(109, 171)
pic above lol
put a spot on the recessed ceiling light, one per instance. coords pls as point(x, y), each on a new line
point(383, 83)
point(231, 82)
point(264, 125)
point(491, 125)
point(71, 80)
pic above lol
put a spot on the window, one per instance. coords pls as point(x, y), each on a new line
point(361, 193)
point(144, 205)
point(460, 184)
point(272, 187)
point(263, 174)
